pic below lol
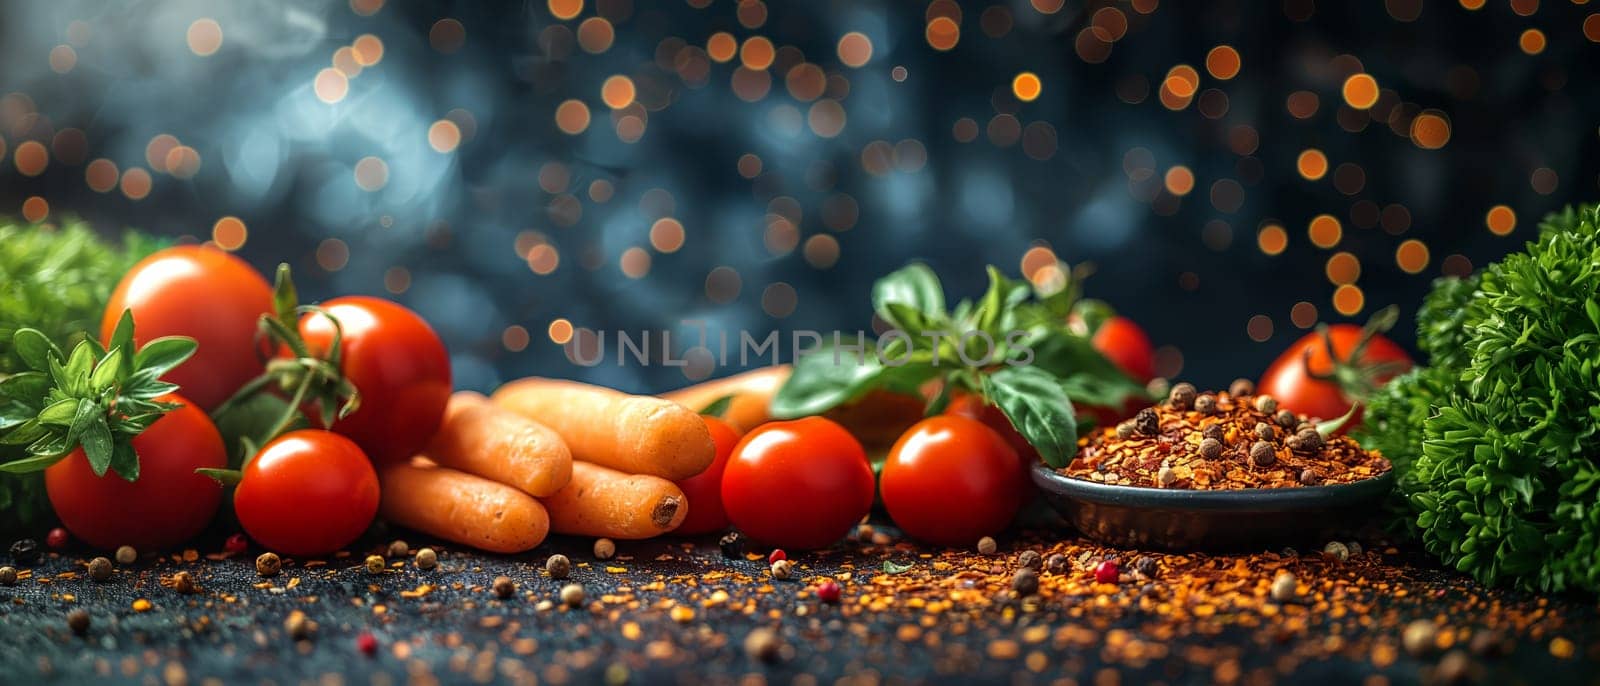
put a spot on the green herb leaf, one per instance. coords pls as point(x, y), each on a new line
point(892, 567)
point(96, 440)
point(27, 388)
point(36, 463)
point(162, 354)
point(914, 286)
point(1038, 407)
point(827, 378)
point(718, 407)
point(34, 349)
point(124, 461)
point(226, 477)
point(108, 373)
point(285, 299)
point(60, 412)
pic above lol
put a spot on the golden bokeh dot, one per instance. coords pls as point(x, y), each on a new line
point(368, 49)
point(35, 209)
point(344, 59)
point(1302, 104)
point(749, 165)
point(204, 37)
point(1348, 300)
point(635, 263)
point(779, 300)
point(229, 233)
point(1361, 91)
point(566, 9)
point(855, 49)
point(752, 13)
point(1303, 315)
point(1532, 41)
point(1048, 6)
point(543, 259)
point(1411, 256)
point(757, 53)
point(722, 46)
point(332, 254)
point(371, 173)
point(821, 251)
point(1312, 164)
point(554, 177)
point(444, 136)
point(1004, 130)
point(156, 151)
point(1026, 86)
point(447, 35)
point(559, 331)
point(826, 118)
point(630, 128)
point(1526, 8)
point(1223, 62)
point(1109, 24)
point(1430, 130)
point(1456, 265)
point(1179, 180)
point(331, 85)
point(1183, 81)
point(397, 280)
point(601, 190)
point(1501, 220)
point(781, 235)
point(723, 284)
point(617, 92)
point(1259, 328)
point(366, 8)
point(63, 58)
point(572, 117)
point(806, 82)
point(751, 85)
point(101, 175)
point(965, 130)
point(1342, 268)
point(136, 183)
point(183, 162)
point(1473, 4)
point(943, 33)
point(1036, 258)
point(666, 235)
point(1272, 239)
point(515, 338)
point(1591, 27)
point(1325, 231)
point(595, 35)
point(31, 158)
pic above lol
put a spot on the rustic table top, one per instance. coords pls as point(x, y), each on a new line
point(680, 611)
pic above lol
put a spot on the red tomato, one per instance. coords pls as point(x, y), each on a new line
point(205, 294)
point(1290, 378)
point(972, 406)
point(1125, 344)
point(951, 480)
point(397, 363)
point(704, 490)
point(308, 492)
point(798, 484)
point(167, 505)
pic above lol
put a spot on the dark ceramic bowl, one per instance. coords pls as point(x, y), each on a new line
point(1171, 519)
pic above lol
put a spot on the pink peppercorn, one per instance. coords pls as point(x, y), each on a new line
point(1106, 572)
point(236, 544)
point(828, 591)
point(777, 554)
point(367, 643)
point(57, 538)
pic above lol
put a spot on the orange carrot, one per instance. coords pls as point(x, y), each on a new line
point(751, 393)
point(479, 438)
point(629, 433)
point(459, 507)
point(605, 502)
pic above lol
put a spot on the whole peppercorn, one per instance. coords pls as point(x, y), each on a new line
point(1056, 564)
point(126, 555)
point(1030, 559)
point(398, 548)
point(367, 643)
point(427, 559)
point(1286, 419)
point(1336, 550)
point(1456, 667)
point(1354, 546)
point(1107, 571)
point(1146, 566)
point(558, 566)
point(604, 549)
point(503, 586)
point(1261, 454)
point(1488, 643)
point(1420, 637)
point(1210, 449)
point(1125, 430)
point(299, 626)
point(1182, 396)
point(732, 545)
point(1241, 387)
point(268, 564)
point(57, 539)
point(776, 554)
point(782, 569)
point(25, 551)
point(236, 544)
point(374, 564)
point(8, 576)
point(1266, 404)
point(183, 583)
point(987, 546)
point(828, 591)
point(1025, 582)
point(572, 595)
point(762, 644)
point(1216, 432)
point(1265, 432)
point(1308, 476)
point(1304, 426)
point(100, 569)
point(1166, 477)
point(1283, 587)
point(1147, 422)
point(1206, 404)
point(1308, 441)
point(78, 621)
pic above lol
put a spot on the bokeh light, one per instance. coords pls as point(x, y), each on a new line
point(1501, 220)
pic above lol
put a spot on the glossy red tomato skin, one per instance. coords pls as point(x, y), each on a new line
point(1127, 346)
point(972, 406)
point(205, 294)
point(799, 484)
point(951, 480)
point(704, 490)
point(166, 506)
point(398, 364)
point(308, 492)
point(1287, 380)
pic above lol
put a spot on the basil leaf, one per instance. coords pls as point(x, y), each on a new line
point(997, 302)
point(124, 460)
point(718, 407)
point(34, 349)
point(96, 440)
point(162, 354)
point(1038, 407)
point(822, 380)
point(914, 286)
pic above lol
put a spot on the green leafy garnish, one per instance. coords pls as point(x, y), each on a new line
point(892, 567)
point(718, 407)
point(98, 398)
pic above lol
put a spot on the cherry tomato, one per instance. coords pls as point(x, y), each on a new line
point(972, 406)
point(205, 294)
point(704, 490)
point(1291, 378)
point(799, 484)
point(1125, 344)
point(952, 480)
point(397, 363)
point(308, 492)
point(167, 505)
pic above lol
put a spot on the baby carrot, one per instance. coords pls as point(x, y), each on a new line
point(750, 392)
point(629, 433)
point(479, 438)
point(605, 502)
point(459, 507)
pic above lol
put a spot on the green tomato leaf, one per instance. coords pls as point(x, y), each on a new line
point(34, 348)
point(285, 299)
point(914, 286)
point(97, 445)
point(1037, 405)
point(162, 354)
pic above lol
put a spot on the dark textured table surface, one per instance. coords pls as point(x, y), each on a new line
point(676, 611)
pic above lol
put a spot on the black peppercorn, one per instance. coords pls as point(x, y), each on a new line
point(732, 545)
point(1145, 565)
point(1241, 387)
point(1030, 559)
point(1308, 477)
point(1261, 454)
point(1306, 442)
point(1125, 430)
point(1210, 449)
point(1206, 404)
point(1182, 396)
point(1147, 422)
point(1265, 432)
point(1286, 419)
point(1266, 404)
point(78, 621)
point(1217, 432)
point(25, 552)
point(1056, 564)
point(1025, 582)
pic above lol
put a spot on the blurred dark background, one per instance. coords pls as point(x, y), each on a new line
point(1235, 171)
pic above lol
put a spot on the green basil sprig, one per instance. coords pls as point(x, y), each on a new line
point(98, 397)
